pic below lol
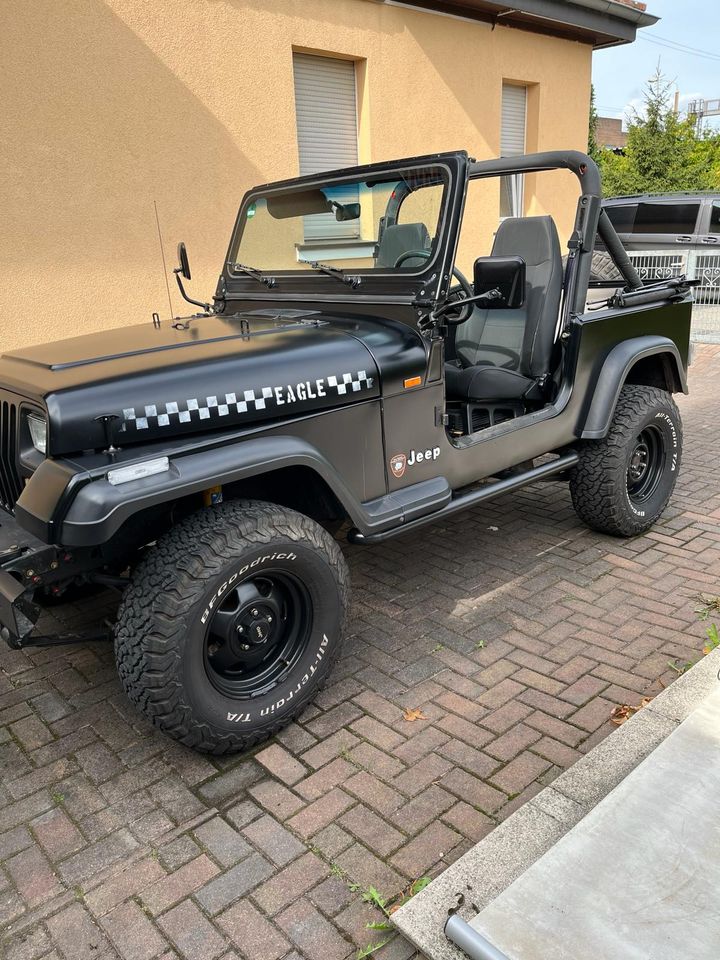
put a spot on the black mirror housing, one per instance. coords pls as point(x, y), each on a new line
point(346, 211)
point(506, 274)
point(184, 265)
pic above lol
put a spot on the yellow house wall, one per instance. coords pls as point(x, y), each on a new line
point(112, 107)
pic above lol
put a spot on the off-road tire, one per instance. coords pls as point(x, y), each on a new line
point(160, 636)
point(600, 484)
point(602, 267)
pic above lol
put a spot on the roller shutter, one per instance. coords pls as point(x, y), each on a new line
point(325, 105)
point(512, 143)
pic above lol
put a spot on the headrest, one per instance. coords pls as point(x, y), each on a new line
point(534, 239)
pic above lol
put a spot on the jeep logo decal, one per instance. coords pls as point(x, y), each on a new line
point(400, 461)
point(397, 464)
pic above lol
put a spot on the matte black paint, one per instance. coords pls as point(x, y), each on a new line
point(306, 330)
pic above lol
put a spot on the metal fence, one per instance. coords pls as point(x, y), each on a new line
point(655, 265)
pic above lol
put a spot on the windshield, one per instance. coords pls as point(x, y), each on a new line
point(388, 223)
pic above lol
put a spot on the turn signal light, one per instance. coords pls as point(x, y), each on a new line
point(412, 382)
point(136, 471)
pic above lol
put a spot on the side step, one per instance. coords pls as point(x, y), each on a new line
point(466, 500)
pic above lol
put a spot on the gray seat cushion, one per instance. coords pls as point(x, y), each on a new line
point(486, 383)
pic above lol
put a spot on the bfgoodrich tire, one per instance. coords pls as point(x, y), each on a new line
point(231, 624)
point(623, 482)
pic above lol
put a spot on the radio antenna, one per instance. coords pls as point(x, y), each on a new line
point(162, 254)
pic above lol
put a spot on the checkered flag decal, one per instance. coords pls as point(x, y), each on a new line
point(350, 381)
point(208, 408)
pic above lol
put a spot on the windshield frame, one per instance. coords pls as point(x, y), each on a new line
point(304, 281)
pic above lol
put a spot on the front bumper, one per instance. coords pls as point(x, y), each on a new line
point(24, 563)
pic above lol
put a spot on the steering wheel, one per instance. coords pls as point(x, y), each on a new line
point(409, 254)
point(462, 286)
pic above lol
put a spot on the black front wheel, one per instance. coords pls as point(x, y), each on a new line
point(231, 624)
point(623, 482)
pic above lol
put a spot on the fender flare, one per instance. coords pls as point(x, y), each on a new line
point(615, 369)
point(98, 509)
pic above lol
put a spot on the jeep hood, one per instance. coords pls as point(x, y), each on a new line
point(216, 373)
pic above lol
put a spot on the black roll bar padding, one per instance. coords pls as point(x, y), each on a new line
point(673, 289)
point(617, 251)
point(583, 166)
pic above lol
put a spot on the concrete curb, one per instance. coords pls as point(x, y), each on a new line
point(506, 853)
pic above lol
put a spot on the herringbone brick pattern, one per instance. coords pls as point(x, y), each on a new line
point(514, 630)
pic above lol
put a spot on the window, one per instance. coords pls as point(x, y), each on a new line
point(666, 218)
point(622, 216)
point(715, 217)
point(325, 105)
point(658, 218)
point(512, 143)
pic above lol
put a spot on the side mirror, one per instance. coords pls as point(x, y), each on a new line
point(183, 270)
point(184, 265)
point(346, 211)
point(506, 274)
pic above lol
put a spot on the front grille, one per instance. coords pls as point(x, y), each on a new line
point(10, 482)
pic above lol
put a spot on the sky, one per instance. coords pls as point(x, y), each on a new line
point(619, 73)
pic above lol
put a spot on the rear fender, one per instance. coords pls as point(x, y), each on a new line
point(625, 359)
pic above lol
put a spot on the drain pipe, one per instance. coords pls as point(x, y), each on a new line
point(473, 943)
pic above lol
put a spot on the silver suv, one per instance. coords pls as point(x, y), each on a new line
point(666, 221)
point(670, 235)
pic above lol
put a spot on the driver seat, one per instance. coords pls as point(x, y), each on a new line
point(400, 238)
point(506, 354)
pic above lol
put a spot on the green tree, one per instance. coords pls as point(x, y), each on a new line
point(707, 154)
point(593, 148)
point(663, 152)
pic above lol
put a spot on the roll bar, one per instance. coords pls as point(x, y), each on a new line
point(614, 247)
point(595, 221)
point(583, 166)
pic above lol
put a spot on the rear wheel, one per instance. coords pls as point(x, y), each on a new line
point(623, 482)
point(231, 624)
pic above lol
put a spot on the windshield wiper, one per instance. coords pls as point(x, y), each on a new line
point(333, 272)
point(253, 272)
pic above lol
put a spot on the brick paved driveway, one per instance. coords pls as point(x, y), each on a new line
point(514, 629)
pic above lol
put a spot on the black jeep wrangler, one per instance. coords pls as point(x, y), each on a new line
point(204, 465)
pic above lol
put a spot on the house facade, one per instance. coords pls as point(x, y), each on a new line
point(129, 125)
point(610, 134)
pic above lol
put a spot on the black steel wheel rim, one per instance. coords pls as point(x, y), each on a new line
point(258, 631)
point(646, 465)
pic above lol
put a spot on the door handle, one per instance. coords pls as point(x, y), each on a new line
point(683, 239)
point(709, 240)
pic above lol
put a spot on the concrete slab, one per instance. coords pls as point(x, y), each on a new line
point(637, 877)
